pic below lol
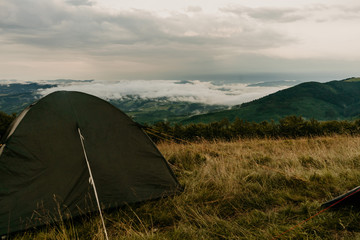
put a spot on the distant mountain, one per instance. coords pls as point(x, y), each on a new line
point(160, 109)
point(335, 100)
point(14, 97)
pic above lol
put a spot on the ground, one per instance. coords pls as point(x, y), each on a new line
point(243, 189)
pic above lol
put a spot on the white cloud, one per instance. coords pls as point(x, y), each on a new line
point(57, 25)
point(80, 2)
point(189, 91)
point(267, 13)
point(194, 9)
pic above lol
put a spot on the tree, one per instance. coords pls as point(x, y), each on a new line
point(5, 121)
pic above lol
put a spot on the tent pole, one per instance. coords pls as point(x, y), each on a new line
point(91, 180)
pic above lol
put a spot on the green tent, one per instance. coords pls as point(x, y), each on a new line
point(61, 147)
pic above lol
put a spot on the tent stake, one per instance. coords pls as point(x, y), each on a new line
point(91, 180)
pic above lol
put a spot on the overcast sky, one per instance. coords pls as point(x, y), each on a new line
point(178, 39)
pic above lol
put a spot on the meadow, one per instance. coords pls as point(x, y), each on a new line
point(242, 189)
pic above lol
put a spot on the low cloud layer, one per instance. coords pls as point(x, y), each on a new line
point(189, 91)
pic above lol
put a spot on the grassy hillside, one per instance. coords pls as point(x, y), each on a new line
point(336, 100)
point(160, 109)
point(246, 189)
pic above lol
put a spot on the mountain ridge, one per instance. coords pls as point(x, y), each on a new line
point(334, 100)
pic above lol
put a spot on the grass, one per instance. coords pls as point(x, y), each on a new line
point(246, 189)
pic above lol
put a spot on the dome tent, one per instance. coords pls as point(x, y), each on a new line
point(348, 199)
point(43, 162)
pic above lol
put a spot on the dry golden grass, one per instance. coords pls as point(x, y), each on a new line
point(245, 189)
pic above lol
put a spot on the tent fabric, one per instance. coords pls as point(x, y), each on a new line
point(349, 199)
point(43, 171)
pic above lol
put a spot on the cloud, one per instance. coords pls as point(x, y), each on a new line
point(173, 90)
point(56, 24)
point(80, 2)
point(48, 39)
point(194, 9)
point(268, 13)
point(39, 36)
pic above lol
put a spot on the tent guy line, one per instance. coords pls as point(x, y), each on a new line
point(92, 182)
point(341, 199)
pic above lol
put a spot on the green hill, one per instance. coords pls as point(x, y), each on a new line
point(335, 100)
